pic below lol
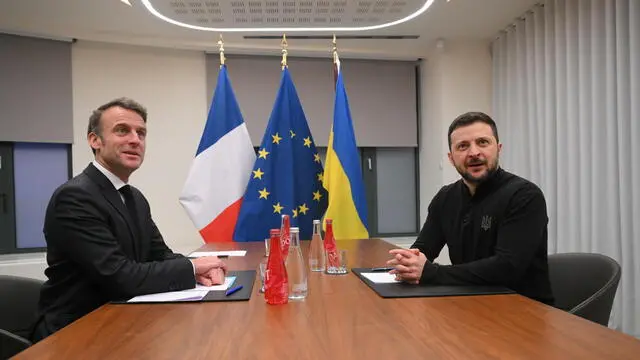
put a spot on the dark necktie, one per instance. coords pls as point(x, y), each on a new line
point(131, 207)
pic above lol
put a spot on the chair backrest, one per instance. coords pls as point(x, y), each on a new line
point(18, 304)
point(584, 284)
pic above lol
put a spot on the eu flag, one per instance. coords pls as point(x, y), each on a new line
point(287, 175)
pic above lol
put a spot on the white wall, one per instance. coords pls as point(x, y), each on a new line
point(171, 84)
point(454, 79)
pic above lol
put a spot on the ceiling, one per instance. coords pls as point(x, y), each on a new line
point(278, 15)
point(114, 21)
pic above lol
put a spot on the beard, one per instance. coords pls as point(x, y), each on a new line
point(492, 167)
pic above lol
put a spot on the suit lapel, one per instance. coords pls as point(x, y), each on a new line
point(113, 197)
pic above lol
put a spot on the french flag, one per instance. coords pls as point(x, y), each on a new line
point(219, 174)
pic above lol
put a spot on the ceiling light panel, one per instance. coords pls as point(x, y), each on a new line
point(286, 15)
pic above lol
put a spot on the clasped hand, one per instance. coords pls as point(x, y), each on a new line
point(210, 270)
point(407, 264)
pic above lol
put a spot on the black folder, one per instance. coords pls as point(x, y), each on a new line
point(404, 290)
point(246, 278)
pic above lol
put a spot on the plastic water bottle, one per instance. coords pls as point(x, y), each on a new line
point(316, 249)
point(296, 268)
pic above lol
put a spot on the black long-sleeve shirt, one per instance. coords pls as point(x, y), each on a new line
point(498, 236)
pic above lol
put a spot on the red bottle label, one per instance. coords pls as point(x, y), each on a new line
point(276, 285)
point(330, 245)
point(285, 236)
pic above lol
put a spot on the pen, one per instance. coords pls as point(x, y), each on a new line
point(382, 269)
point(233, 290)
point(219, 257)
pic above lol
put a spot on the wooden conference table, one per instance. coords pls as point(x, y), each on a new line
point(342, 318)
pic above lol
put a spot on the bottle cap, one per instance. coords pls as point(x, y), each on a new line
point(316, 221)
point(295, 229)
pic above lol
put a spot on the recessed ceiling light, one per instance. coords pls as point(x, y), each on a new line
point(266, 16)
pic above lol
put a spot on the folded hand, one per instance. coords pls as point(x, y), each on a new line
point(408, 264)
point(210, 270)
point(213, 277)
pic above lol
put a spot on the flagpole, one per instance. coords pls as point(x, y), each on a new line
point(221, 49)
point(334, 49)
point(336, 61)
point(284, 45)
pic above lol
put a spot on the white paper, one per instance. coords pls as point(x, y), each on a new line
point(228, 281)
point(185, 295)
point(194, 294)
point(381, 277)
point(218, 253)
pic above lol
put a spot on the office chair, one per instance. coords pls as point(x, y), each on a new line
point(18, 307)
point(11, 345)
point(584, 284)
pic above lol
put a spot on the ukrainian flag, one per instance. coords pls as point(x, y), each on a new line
point(343, 174)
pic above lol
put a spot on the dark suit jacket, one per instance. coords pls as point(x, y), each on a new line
point(95, 256)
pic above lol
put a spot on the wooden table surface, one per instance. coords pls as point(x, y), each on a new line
point(342, 318)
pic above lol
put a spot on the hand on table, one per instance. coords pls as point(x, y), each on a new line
point(408, 264)
point(210, 270)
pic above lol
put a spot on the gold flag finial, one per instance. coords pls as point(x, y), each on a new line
point(221, 49)
point(284, 45)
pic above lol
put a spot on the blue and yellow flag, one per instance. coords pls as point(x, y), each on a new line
point(287, 175)
point(343, 174)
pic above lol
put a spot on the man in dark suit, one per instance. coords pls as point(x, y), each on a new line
point(494, 222)
point(102, 244)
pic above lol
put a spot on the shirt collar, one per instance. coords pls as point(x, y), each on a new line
point(116, 181)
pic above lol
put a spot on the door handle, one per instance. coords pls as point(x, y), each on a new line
point(370, 166)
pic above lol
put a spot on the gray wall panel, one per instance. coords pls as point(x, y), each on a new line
point(35, 90)
point(382, 95)
point(397, 190)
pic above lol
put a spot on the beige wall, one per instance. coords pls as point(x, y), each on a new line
point(455, 78)
point(172, 85)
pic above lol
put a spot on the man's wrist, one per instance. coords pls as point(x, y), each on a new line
point(429, 272)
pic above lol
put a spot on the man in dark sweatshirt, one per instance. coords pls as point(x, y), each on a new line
point(494, 222)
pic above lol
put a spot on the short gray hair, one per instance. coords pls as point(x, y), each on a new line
point(123, 102)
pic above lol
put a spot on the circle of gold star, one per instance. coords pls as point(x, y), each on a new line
point(263, 193)
point(277, 208)
point(307, 141)
point(257, 174)
point(276, 138)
